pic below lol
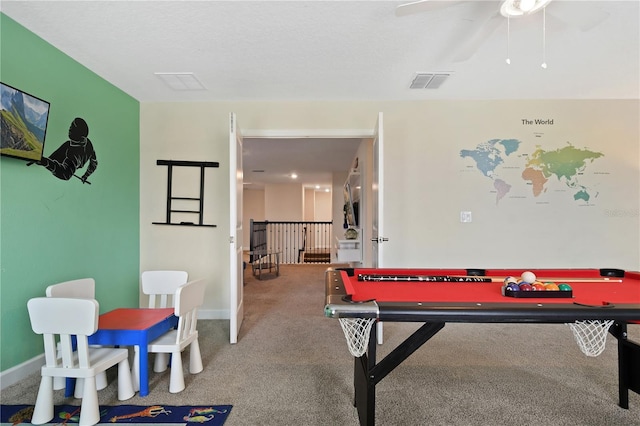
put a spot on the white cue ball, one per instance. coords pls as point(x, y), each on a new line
point(528, 277)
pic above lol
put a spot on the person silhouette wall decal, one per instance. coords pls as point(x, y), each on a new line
point(73, 154)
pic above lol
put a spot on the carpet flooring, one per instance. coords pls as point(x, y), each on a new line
point(291, 367)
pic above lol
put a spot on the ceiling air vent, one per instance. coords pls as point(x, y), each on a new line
point(429, 80)
point(180, 80)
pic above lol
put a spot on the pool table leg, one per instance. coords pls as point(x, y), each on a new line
point(365, 392)
point(367, 373)
point(628, 364)
point(363, 385)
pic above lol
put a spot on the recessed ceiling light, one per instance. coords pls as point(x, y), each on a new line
point(294, 176)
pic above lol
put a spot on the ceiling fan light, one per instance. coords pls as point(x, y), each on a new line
point(527, 5)
point(509, 11)
point(517, 8)
point(539, 5)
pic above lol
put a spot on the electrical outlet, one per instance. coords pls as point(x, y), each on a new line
point(465, 217)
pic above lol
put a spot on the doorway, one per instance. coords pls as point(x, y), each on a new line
point(306, 162)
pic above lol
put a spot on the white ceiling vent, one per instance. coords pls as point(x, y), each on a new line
point(429, 80)
point(180, 80)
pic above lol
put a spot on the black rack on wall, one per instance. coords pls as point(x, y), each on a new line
point(200, 212)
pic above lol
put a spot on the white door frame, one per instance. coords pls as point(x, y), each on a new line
point(283, 134)
point(236, 272)
point(377, 231)
point(308, 133)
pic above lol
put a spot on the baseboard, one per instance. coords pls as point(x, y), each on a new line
point(20, 372)
point(213, 314)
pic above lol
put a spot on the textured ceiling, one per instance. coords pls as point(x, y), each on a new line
point(345, 50)
point(276, 50)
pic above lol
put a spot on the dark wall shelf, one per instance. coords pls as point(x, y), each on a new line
point(200, 200)
point(184, 224)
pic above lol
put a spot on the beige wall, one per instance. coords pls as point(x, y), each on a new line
point(322, 206)
point(309, 204)
point(426, 187)
point(283, 202)
point(426, 183)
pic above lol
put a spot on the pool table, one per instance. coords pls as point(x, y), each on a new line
point(438, 296)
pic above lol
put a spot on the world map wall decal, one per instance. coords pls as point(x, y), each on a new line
point(540, 169)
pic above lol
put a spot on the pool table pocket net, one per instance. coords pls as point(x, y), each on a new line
point(591, 335)
point(357, 332)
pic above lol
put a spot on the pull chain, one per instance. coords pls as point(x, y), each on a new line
point(508, 40)
point(544, 38)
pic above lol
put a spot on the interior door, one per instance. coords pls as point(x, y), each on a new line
point(236, 281)
point(377, 187)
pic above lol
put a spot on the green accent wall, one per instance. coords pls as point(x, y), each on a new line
point(53, 230)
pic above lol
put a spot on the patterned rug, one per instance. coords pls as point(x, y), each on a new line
point(211, 415)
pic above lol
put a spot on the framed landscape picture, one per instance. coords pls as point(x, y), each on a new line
point(23, 124)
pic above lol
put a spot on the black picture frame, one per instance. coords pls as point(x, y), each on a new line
point(23, 124)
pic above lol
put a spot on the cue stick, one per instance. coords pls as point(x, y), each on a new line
point(423, 278)
point(576, 280)
point(474, 278)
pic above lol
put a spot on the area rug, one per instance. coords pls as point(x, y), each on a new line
point(211, 415)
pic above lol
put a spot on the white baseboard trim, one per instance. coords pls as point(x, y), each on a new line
point(208, 314)
point(13, 375)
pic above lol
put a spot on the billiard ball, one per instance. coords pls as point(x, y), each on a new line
point(538, 287)
point(528, 277)
point(525, 287)
point(509, 280)
point(564, 287)
point(513, 287)
point(551, 287)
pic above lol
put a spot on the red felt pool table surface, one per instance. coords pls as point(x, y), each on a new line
point(592, 291)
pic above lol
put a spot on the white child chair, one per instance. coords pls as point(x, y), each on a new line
point(161, 287)
point(83, 288)
point(76, 319)
point(187, 300)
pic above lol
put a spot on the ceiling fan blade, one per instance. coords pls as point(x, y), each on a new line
point(582, 15)
point(473, 44)
point(424, 6)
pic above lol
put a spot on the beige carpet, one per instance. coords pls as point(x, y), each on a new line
point(292, 367)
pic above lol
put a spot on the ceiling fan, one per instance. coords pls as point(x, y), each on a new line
point(511, 7)
point(496, 13)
